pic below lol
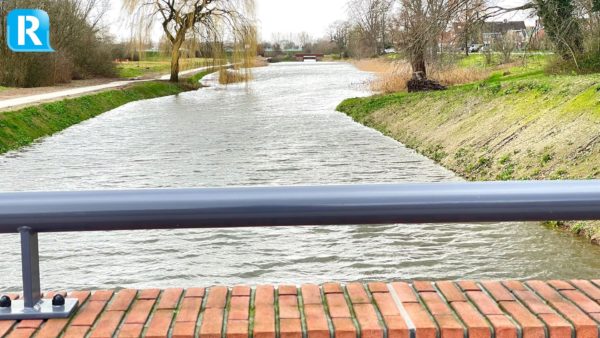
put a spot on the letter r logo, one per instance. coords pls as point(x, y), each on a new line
point(28, 30)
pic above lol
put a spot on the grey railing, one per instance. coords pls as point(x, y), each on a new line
point(30, 213)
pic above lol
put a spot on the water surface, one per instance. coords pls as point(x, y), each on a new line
point(282, 130)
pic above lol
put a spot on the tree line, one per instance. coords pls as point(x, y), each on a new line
point(81, 48)
point(416, 28)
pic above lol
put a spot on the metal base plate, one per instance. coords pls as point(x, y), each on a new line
point(42, 310)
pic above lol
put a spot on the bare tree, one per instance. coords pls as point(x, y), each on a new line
point(339, 33)
point(470, 17)
point(419, 24)
point(212, 19)
point(370, 18)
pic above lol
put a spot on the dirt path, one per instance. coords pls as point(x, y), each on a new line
point(14, 98)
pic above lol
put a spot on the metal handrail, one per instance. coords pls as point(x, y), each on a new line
point(32, 212)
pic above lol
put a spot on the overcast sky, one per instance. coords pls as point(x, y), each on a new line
point(289, 16)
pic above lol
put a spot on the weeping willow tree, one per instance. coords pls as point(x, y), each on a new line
point(227, 24)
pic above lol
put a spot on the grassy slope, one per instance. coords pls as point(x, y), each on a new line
point(524, 125)
point(22, 127)
point(154, 66)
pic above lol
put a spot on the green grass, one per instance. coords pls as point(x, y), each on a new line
point(195, 79)
point(21, 127)
point(155, 66)
point(518, 124)
point(3, 88)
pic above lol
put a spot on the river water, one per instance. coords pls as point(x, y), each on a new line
point(281, 130)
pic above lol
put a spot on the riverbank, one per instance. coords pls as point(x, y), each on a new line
point(508, 127)
point(21, 127)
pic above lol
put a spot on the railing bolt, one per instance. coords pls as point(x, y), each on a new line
point(5, 301)
point(58, 300)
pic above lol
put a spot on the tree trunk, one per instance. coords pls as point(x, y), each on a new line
point(175, 54)
point(418, 65)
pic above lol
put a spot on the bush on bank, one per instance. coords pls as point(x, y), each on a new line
point(21, 127)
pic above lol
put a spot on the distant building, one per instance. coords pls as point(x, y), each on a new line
point(493, 30)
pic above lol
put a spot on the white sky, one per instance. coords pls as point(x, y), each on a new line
point(290, 16)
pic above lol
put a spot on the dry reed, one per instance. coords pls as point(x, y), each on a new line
point(392, 76)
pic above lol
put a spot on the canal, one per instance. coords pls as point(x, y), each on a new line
point(280, 130)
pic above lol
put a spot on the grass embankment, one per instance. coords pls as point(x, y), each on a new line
point(156, 66)
point(518, 125)
point(21, 127)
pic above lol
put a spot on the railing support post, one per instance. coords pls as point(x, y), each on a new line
point(32, 306)
point(30, 261)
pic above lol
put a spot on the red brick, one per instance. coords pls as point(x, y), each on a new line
point(241, 290)
point(386, 304)
point(484, 303)
point(357, 293)
point(451, 291)
point(264, 321)
point(557, 326)
point(503, 327)
point(290, 328)
point(51, 294)
point(6, 326)
point(588, 288)
point(311, 294)
point(88, 314)
point(52, 328)
point(368, 321)
point(21, 333)
point(435, 304)
point(498, 291)
point(239, 308)
point(375, 287)
point(160, 324)
point(449, 326)
point(264, 295)
point(102, 295)
point(217, 297)
point(531, 326)
point(396, 327)
point(131, 330)
point(561, 285)
point(316, 322)
point(291, 290)
point(140, 311)
point(237, 329)
point(169, 299)
point(81, 296)
point(404, 292)
point(585, 303)
point(584, 325)
point(477, 326)
point(338, 307)
point(514, 285)
point(212, 322)
point(288, 307)
point(107, 325)
point(122, 300)
point(76, 331)
point(344, 328)
point(30, 324)
point(189, 310)
point(149, 294)
point(194, 293)
point(423, 286)
point(533, 302)
point(184, 330)
point(424, 325)
point(332, 288)
point(468, 285)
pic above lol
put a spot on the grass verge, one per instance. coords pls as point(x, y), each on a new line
point(511, 126)
point(21, 127)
